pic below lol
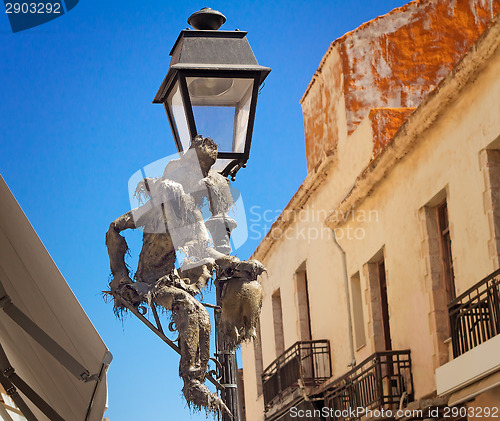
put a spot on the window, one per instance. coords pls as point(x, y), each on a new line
point(447, 261)
point(384, 304)
point(279, 339)
point(303, 304)
point(302, 290)
point(357, 309)
point(379, 331)
point(490, 164)
point(439, 279)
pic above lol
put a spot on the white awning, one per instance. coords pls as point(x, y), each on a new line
point(58, 360)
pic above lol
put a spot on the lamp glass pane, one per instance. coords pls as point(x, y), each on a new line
point(221, 163)
point(221, 108)
point(176, 106)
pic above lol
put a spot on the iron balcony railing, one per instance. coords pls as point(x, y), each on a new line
point(305, 363)
point(475, 315)
point(379, 382)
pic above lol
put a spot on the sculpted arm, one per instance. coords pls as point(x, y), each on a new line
point(117, 248)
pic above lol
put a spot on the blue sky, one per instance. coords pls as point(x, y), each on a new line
point(77, 122)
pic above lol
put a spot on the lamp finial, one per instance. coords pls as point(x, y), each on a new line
point(207, 19)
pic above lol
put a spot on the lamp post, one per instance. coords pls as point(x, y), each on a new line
point(211, 88)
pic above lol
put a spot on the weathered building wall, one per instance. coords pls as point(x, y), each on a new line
point(447, 160)
point(393, 61)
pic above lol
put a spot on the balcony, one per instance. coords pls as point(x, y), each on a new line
point(475, 315)
point(380, 381)
point(475, 328)
point(304, 364)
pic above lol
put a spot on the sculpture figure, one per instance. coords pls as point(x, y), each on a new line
point(175, 232)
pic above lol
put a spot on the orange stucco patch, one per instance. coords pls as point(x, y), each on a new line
point(387, 63)
point(323, 127)
point(385, 123)
point(393, 61)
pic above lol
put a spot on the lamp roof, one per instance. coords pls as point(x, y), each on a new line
point(211, 50)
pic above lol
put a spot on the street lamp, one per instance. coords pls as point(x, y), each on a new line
point(211, 88)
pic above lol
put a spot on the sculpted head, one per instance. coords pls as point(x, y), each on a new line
point(206, 150)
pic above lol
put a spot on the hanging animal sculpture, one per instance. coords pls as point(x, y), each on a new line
point(173, 226)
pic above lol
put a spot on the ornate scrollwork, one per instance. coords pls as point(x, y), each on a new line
point(173, 328)
point(217, 373)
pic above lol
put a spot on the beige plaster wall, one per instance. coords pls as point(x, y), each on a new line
point(254, 403)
